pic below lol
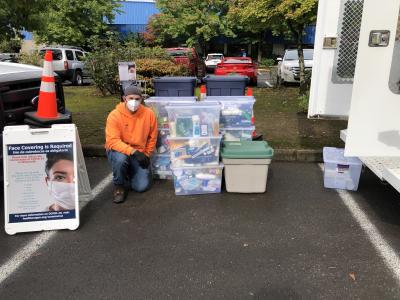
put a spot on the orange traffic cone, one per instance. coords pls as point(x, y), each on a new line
point(203, 92)
point(47, 107)
point(249, 91)
point(47, 113)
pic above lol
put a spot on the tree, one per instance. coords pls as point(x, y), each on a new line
point(73, 22)
point(288, 17)
point(194, 22)
point(16, 16)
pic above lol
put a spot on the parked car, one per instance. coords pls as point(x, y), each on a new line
point(19, 90)
point(238, 66)
point(189, 58)
point(212, 60)
point(288, 66)
point(68, 63)
point(9, 57)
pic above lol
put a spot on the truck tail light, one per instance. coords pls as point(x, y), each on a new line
point(65, 65)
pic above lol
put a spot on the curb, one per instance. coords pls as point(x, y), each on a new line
point(291, 155)
point(298, 155)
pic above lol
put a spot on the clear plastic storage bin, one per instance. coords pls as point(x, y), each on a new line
point(161, 166)
point(236, 111)
point(163, 175)
point(162, 146)
point(233, 134)
point(194, 120)
point(187, 152)
point(197, 180)
point(341, 172)
point(158, 104)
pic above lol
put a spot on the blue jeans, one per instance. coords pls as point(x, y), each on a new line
point(127, 167)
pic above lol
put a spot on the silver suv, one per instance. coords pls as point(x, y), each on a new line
point(68, 63)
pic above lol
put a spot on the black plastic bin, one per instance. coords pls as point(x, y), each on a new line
point(226, 85)
point(174, 86)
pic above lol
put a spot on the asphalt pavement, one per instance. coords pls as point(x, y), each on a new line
point(296, 241)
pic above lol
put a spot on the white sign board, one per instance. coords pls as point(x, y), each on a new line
point(127, 71)
point(40, 178)
point(374, 122)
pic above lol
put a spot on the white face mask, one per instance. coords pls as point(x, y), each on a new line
point(63, 193)
point(133, 105)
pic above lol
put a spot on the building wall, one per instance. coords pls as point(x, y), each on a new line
point(28, 45)
point(134, 16)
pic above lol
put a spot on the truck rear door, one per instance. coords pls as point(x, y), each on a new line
point(374, 122)
point(335, 53)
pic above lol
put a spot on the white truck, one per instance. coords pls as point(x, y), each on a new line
point(356, 76)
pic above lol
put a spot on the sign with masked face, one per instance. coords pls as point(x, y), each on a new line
point(127, 71)
point(40, 178)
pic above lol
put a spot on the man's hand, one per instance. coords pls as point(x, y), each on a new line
point(143, 159)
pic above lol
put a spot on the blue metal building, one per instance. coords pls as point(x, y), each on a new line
point(134, 15)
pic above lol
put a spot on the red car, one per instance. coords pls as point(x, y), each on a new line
point(189, 58)
point(238, 66)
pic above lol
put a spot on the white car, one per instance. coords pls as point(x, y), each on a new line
point(212, 60)
point(288, 67)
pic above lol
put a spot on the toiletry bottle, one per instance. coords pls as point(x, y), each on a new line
point(196, 126)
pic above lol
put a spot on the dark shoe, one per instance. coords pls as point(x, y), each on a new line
point(119, 194)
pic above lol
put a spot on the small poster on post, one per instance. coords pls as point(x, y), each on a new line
point(127, 71)
point(41, 180)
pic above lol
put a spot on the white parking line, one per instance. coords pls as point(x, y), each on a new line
point(24, 254)
point(388, 254)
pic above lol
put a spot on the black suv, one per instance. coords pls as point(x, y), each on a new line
point(19, 90)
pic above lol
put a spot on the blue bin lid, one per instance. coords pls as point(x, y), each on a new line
point(175, 79)
point(235, 78)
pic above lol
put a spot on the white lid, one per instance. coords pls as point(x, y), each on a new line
point(180, 105)
point(246, 99)
point(336, 156)
point(166, 100)
point(252, 128)
point(194, 138)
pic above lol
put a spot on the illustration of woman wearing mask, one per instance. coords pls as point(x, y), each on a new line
point(132, 72)
point(60, 180)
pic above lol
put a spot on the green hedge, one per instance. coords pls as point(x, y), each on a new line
point(150, 62)
point(31, 59)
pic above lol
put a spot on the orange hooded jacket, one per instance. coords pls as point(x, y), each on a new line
point(126, 131)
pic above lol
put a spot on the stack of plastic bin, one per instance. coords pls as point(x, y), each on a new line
point(236, 122)
point(194, 143)
point(161, 158)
